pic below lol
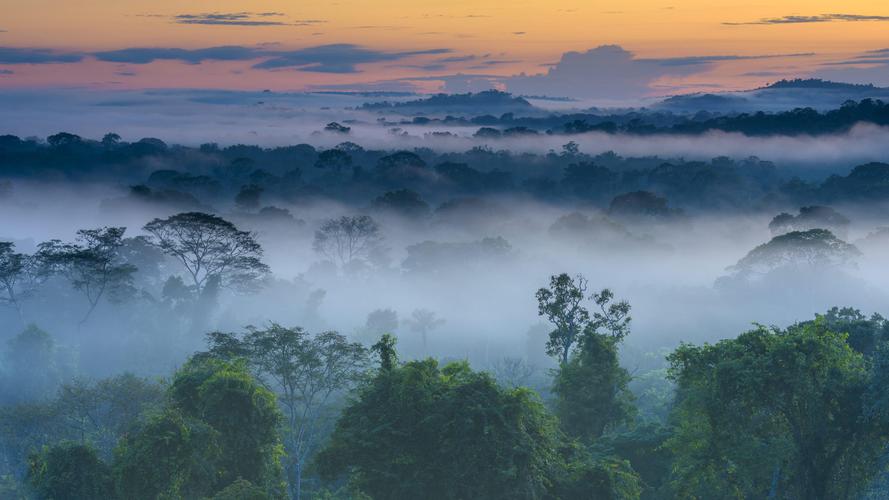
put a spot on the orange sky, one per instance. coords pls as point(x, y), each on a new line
point(523, 35)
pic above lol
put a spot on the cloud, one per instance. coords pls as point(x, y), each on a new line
point(822, 18)
point(6, 72)
point(456, 59)
point(336, 58)
point(871, 67)
point(240, 19)
point(20, 55)
point(145, 55)
point(610, 71)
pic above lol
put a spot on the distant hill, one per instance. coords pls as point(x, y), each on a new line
point(480, 103)
point(782, 95)
point(817, 83)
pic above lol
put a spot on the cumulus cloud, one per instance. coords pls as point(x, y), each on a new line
point(821, 18)
point(23, 55)
point(336, 58)
point(610, 71)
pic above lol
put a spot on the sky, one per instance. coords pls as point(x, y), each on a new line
point(563, 48)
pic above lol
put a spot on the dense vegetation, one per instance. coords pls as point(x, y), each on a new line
point(419, 181)
point(782, 413)
point(155, 364)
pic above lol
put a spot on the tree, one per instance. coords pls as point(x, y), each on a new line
point(31, 369)
point(512, 372)
point(812, 249)
point(591, 388)
point(167, 456)
point(561, 305)
point(402, 202)
point(243, 415)
point(102, 412)
point(813, 217)
point(335, 160)
point(19, 276)
point(210, 249)
point(306, 372)
point(70, 471)
point(425, 431)
point(779, 413)
point(93, 264)
point(640, 203)
point(337, 128)
point(248, 197)
point(111, 140)
point(348, 239)
point(423, 321)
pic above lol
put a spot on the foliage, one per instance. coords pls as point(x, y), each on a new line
point(561, 305)
point(774, 412)
point(168, 456)
point(69, 471)
point(414, 428)
point(591, 389)
point(243, 415)
point(305, 372)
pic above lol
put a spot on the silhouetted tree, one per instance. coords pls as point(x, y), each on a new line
point(210, 248)
point(93, 264)
point(423, 321)
point(347, 239)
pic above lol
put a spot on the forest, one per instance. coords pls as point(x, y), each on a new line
point(246, 322)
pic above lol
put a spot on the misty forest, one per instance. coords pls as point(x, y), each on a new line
point(462, 296)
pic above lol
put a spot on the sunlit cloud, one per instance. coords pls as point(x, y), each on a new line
point(822, 18)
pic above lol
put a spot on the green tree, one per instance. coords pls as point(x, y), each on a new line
point(167, 456)
point(244, 415)
point(425, 431)
point(591, 389)
point(776, 413)
point(561, 304)
point(69, 471)
point(306, 372)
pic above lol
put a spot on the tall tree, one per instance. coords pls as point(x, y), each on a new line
point(93, 264)
point(423, 321)
point(210, 249)
point(561, 304)
point(306, 372)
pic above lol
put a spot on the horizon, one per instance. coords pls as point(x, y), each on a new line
point(645, 50)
